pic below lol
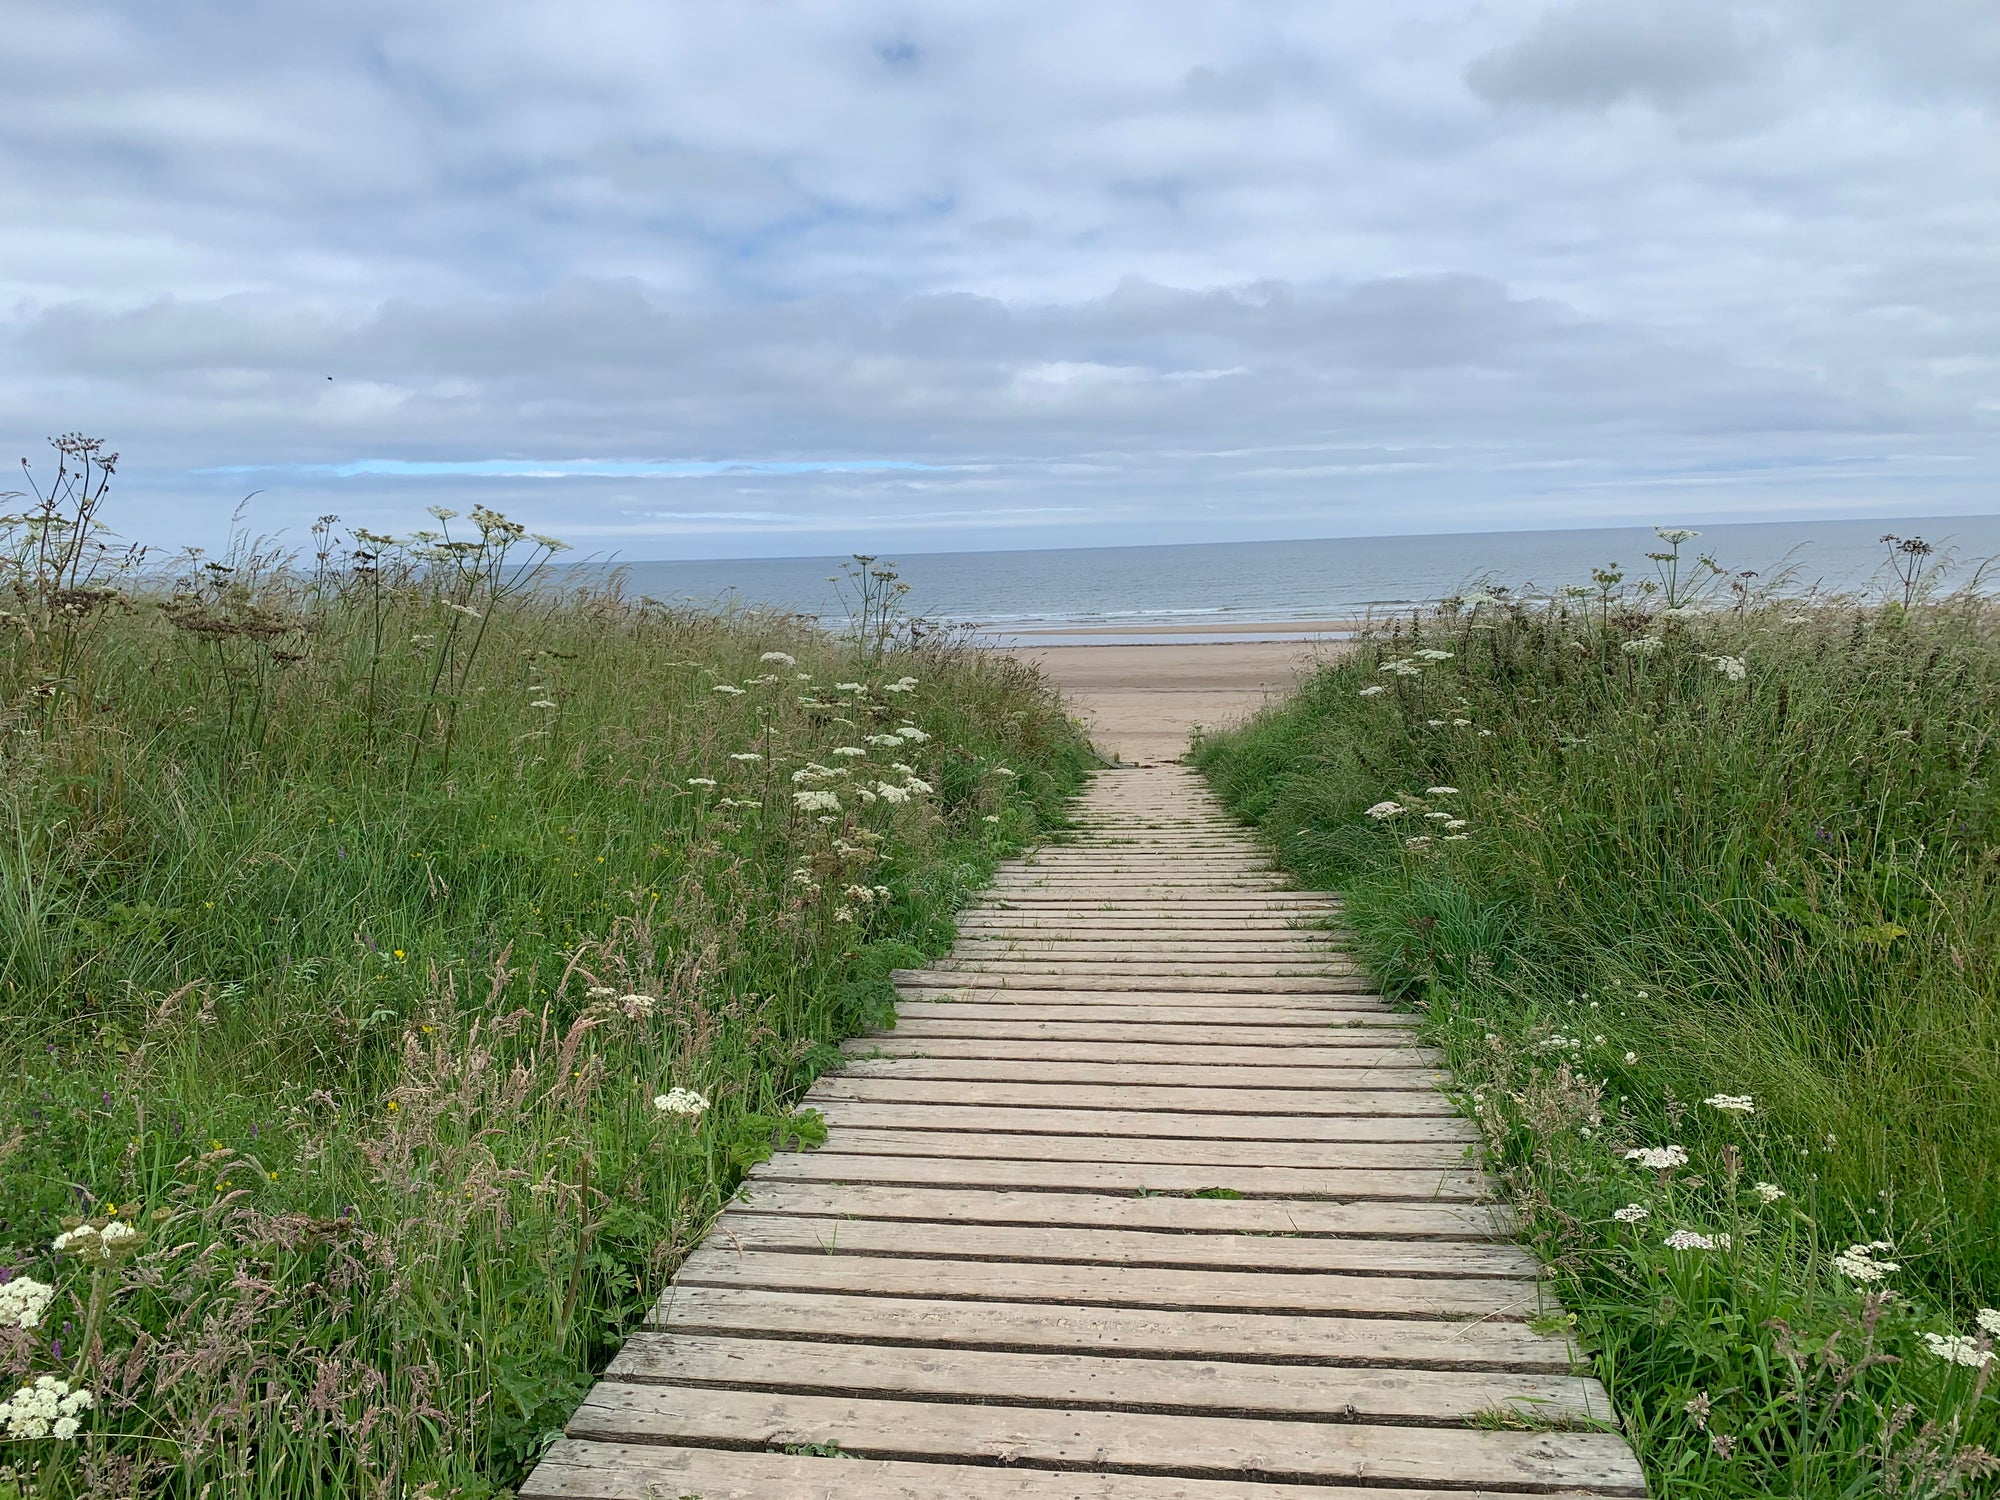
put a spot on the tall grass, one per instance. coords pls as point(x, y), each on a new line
point(1721, 874)
point(359, 914)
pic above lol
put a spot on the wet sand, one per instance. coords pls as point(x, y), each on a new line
point(1141, 701)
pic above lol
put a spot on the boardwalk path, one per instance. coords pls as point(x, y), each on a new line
point(1146, 1196)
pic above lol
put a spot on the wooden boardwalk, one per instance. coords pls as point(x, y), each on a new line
point(1146, 1196)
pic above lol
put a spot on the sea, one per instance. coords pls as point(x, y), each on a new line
point(1209, 591)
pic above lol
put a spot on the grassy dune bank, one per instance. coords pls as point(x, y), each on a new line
point(1722, 886)
point(401, 961)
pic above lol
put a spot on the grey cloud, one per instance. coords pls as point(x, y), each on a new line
point(1586, 54)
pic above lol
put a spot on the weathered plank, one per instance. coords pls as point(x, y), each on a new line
point(1203, 1151)
point(1140, 1124)
point(1183, 1099)
point(1426, 1184)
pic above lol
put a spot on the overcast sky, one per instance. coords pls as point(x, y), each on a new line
point(727, 277)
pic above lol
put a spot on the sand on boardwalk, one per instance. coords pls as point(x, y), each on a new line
point(1141, 701)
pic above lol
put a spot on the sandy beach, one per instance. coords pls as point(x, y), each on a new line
point(1140, 701)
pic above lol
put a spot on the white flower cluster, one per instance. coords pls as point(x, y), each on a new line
point(848, 750)
point(1432, 654)
point(637, 1007)
point(730, 688)
point(1658, 1158)
point(1383, 810)
point(890, 793)
point(746, 756)
point(1674, 535)
point(915, 736)
point(779, 659)
point(1767, 1192)
point(1402, 666)
point(1960, 1349)
point(684, 1102)
point(816, 801)
point(86, 1242)
point(1732, 1104)
point(1732, 667)
point(900, 685)
point(1688, 1239)
point(1372, 689)
point(1645, 645)
point(1631, 1213)
point(1858, 1262)
point(23, 1301)
point(1989, 1320)
point(48, 1408)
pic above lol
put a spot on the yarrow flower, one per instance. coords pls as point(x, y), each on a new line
point(1658, 1158)
point(1675, 535)
point(1372, 689)
point(916, 736)
point(1688, 1239)
point(637, 1006)
point(1402, 667)
point(701, 781)
point(816, 801)
point(1631, 1213)
point(1858, 1263)
point(1767, 1192)
point(901, 685)
point(1959, 1349)
point(683, 1102)
point(1386, 810)
point(1732, 1104)
point(1989, 1320)
point(48, 1408)
point(921, 788)
point(1440, 791)
point(1643, 646)
point(1732, 667)
point(746, 756)
point(23, 1301)
point(779, 659)
point(727, 687)
point(1432, 654)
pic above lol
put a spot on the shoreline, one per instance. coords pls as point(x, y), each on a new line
point(1232, 633)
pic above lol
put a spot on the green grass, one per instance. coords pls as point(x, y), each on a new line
point(1671, 882)
point(351, 921)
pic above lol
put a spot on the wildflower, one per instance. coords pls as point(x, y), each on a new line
point(890, 793)
point(738, 802)
point(23, 1301)
point(1642, 646)
point(48, 1408)
point(1435, 723)
point(990, 818)
point(1456, 838)
point(1002, 771)
point(1722, 1444)
point(1372, 689)
point(779, 659)
point(1444, 817)
point(1730, 1104)
point(88, 1242)
point(1674, 535)
point(1466, 724)
point(920, 787)
point(637, 1006)
point(1432, 654)
point(543, 703)
point(1989, 1320)
point(1858, 1263)
point(816, 801)
point(814, 771)
point(727, 687)
point(746, 756)
point(684, 1102)
point(1630, 1058)
point(900, 767)
point(1767, 1192)
point(1959, 1349)
point(901, 685)
point(1731, 667)
point(1658, 1158)
point(701, 781)
point(867, 797)
point(1631, 1213)
point(595, 992)
point(916, 736)
point(849, 750)
point(1698, 1409)
point(1420, 842)
point(1457, 822)
point(1440, 791)
point(1383, 810)
point(1688, 1239)
point(1402, 668)
point(886, 741)
point(849, 687)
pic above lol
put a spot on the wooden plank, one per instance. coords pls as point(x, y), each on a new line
point(573, 1470)
point(1076, 1382)
point(1126, 1442)
point(1353, 1025)
point(748, 1228)
point(1300, 1054)
point(1205, 1151)
point(1177, 964)
point(1203, 1075)
point(1305, 1033)
point(1180, 1099)
point(1440, 1220)
point(1172, 1289)
point(1423, 1185)
point(992, 977)
point(1256, 1338)
point(931, 1115)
